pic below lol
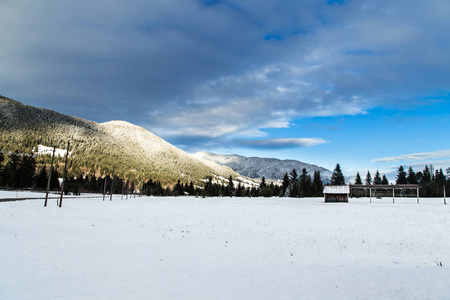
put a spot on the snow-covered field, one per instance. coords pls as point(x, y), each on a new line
point(224, 248)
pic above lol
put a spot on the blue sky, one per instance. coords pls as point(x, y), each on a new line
point(361, 83)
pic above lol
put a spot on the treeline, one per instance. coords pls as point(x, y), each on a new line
point(293, 185)
point(431, 182)
point(18, 171)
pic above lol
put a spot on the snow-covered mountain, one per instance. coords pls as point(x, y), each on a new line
point(257, 167)
point(128, 150)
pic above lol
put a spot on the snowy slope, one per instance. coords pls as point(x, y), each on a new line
point(131, 151)
point(224, 248)
point(160, 155)
point(44, 150)
point(257, 167)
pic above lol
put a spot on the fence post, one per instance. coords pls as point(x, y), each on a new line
point(49, 177)
point(64, 176)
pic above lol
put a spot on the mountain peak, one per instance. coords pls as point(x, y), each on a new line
point(258, 167)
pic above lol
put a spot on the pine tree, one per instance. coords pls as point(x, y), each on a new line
point(411, 178)
point(305, 184)
point(384, 180)
point(426, 178)
point(377, 178)
point(239, 190)
point(11, 171)
point(293, 176)
point(230, 186)
point(42, 179)
point(401, 176)
point(337, 178)
point(439, 178)
point(178, 190)
point(368, 178)
point(294, 188)
point(419, 176)
point(317, 185)
point(262, 185)
point(358, 179)
point(285, 184)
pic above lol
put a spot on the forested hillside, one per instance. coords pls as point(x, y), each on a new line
point(118, 147)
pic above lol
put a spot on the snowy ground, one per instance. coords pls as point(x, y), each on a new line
point(224, 248)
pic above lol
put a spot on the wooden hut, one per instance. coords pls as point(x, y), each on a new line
point(336, 193)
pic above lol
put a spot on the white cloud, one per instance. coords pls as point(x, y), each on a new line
point(416, 156)
point(284, 143)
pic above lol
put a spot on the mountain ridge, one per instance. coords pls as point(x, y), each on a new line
point(259, 167)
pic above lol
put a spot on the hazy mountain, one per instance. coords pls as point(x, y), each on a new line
point(257, 167)
point(131, 151)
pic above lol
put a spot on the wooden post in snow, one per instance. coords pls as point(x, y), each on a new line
point(104, 187)
point(417, 195)
point(121, 196)
point(64, 176)
point(445, 201)
point(49, 177)
point(112, 186)
point(393, 195)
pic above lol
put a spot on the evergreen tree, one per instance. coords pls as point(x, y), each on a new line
point(368, 178)
point(439, 178)
point(384, 180)
point(191, 189)
point(293, 176)
point(317, 185)
point(285, 184)
point(411, 177)
point(305, 184)
point(230, 186)
point(337, 178)
point(426, 178)
point(401, 176)
point(429, 189)
point(263, 184)
point(239, 191)
point(294, 188)
point(27, 170)
point(209, 187)
point(42, 179)
point(12, 171)
point(358, 179)
point(419, 176)
point(178, 190)
point(377, 178)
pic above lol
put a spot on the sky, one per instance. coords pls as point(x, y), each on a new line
point(361, 83)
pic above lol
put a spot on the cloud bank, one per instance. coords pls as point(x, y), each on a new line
point(282, 143)
point(218, 70)
point(416, 156)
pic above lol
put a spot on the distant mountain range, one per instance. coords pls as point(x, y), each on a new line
point(257, 167)
point(128, 150)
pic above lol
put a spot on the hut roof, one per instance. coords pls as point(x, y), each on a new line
point(336, 189)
